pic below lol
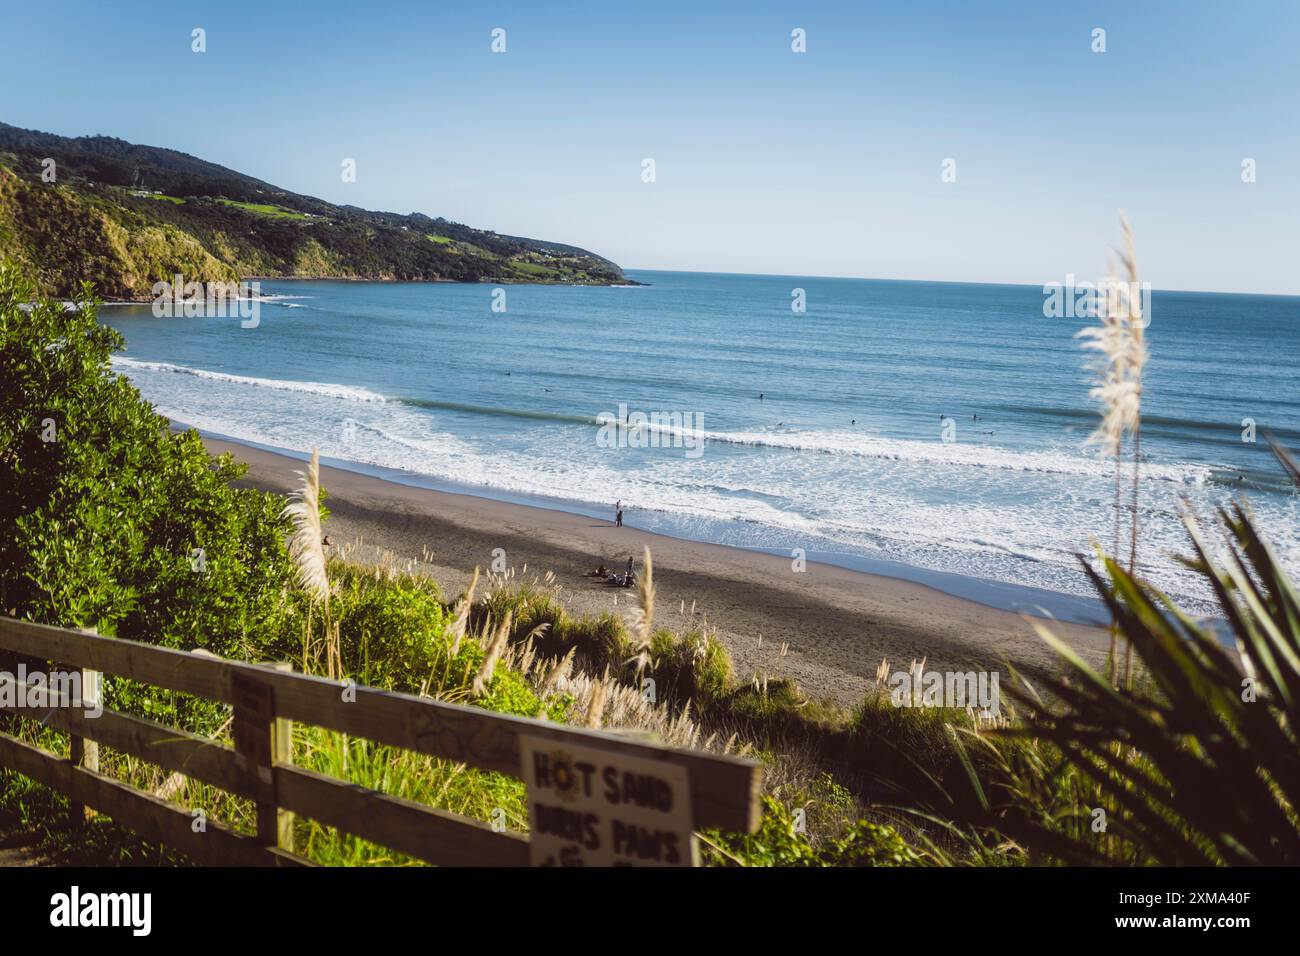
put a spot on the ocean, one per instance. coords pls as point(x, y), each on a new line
point(927, 430)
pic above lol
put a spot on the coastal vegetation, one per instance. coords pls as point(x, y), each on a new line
point(122, 217)
point(1120, 343)
point(110, 520)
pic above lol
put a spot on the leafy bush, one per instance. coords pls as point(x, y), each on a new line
point(394, 634)
point(778, 842)
point(103, 511)
point(691, 667)
point(599, 640)
point(392, 631)
point(596, 642)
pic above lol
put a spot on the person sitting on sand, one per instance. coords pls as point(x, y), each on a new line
point(602, 571)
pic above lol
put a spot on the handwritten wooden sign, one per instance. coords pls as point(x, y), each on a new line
point(594, 807)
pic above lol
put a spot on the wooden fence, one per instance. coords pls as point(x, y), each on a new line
point(265, 700)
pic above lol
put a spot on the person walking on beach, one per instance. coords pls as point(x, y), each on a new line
point(618, 519)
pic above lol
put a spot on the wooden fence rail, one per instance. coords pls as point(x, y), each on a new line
point(265, 699)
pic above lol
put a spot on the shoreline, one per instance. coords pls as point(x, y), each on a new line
point(625, 283)
point(999, 595)
point(838, 623)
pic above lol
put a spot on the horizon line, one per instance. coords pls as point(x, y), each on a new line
point(1020, 285)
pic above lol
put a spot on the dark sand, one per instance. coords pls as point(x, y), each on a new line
point(838, 623)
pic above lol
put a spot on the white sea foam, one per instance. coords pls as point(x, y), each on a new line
point(969, 454)
point(1015, 516)
point(348, 392)
point(966, 454)
point(934, 452)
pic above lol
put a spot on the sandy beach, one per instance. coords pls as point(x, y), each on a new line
point(839, 624)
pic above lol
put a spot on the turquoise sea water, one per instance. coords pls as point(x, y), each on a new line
point(844, 455)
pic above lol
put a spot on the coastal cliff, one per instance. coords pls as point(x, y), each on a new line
point(123, 216)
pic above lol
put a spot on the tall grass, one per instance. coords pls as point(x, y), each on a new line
point(307, 552)
point(1120, 343)
point(643, 615)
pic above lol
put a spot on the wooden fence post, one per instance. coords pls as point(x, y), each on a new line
point(82, 751)
point(282, 752)
point(262, 740)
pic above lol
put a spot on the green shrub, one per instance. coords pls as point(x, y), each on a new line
point(103, 511)
point(391, 630)
point(600, 641)
point(775, 701)
point(528, 607)
point(691, 667)
point(778, 842)
point(909, 753)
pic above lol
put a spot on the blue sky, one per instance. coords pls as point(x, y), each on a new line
point(822, 163)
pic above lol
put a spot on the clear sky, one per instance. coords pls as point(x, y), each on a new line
point(821, 163)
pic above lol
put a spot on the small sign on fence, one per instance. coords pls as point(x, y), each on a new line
point(593, 807)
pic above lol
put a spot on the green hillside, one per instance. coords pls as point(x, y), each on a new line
point(124, 216)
